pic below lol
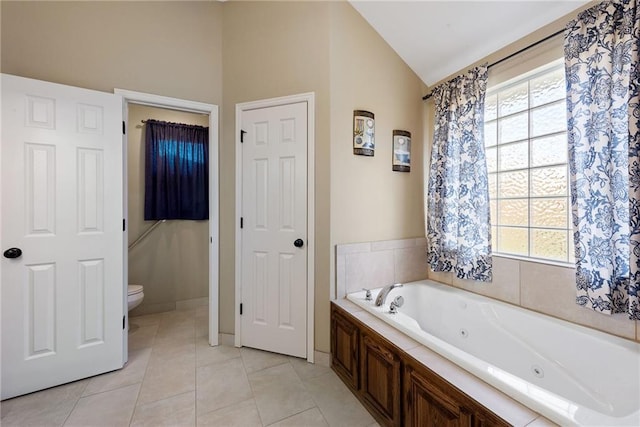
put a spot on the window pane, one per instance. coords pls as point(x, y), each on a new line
point(549, 150)
point(494, 238)
point(493, 186)
point(514, 212)
point(513, 128)
point(550, 244)
point(493, 204)
point(514, 156)
point(513, 100)
point(490, 133)
point(513, 184)
point(549, 213)
point(549, 119)
point(549, 181)
point(490, 107)
point(513, 240)
point(548, 88)
point(492, 160)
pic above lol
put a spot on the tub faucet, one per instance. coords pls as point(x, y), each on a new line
point(382, 295)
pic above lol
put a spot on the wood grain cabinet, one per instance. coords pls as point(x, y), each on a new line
point(380, 368)
point(345, 341)
point(397, 389)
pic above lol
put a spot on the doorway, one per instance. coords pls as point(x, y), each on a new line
point(275, 230)
point(137, 102)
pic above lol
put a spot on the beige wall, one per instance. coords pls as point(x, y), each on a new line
point(172, 261)
point(165, 48)
point(273, 49)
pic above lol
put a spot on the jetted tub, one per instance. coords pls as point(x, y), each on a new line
point(570, 374)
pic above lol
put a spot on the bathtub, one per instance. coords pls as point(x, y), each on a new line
point(545, 363)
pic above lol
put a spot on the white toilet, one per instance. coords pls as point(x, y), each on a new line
point(134, 296)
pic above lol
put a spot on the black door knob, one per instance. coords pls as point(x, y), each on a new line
point(13, 253)
point(298, 243)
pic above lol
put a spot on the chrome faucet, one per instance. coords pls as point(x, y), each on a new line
point(382, 295)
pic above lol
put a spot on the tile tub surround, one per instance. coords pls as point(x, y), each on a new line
point(376, 264)
point(544, 288)
point(491, 398)
point(175, 378)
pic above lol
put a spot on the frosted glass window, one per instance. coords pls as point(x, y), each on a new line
point(514, 212)
point(550, 244)
point(549, 181)
point(513, 128)
point(550, 150)
point(513, 184)
point(549, 119)
point(548, 88)
point(490, 107)
point(513, 100)
point(514, 156)
point(490, 133)
point(513, 241)
point(526, 140)
point(549, 212)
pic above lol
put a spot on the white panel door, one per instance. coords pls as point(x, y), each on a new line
point(274, 232)
point(62, 298)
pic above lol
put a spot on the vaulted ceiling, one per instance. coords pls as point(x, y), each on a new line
point(438, 38)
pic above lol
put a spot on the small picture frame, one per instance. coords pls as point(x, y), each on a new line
point(363, 133)
point(401, 161)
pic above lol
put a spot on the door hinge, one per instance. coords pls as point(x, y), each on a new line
point(123, 128)
point(211, 239)
point(240, 309)
point(124, 224)
point(241, 222)
point(242, 132)
point(122, 322)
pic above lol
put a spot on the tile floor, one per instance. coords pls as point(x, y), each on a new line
point(174, 378)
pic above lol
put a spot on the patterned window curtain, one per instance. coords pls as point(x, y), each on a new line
point(602, 69)
point(458, 230)
point(176, 171)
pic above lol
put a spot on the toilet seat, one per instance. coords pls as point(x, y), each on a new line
point(134, 289)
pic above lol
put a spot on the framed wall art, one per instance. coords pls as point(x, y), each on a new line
point(401, 151)
point(363, 133)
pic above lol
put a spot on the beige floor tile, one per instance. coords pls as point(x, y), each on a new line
point(221, 384)
point(172, 353)
point(256, 360)
point(279, 393)
point(243, 414)
point(205, 354)
point(179, 410)
point(306, 370)
point(167, 379)
point(145, 320)
point(309, 418)
point(142, 337)
point(132, 373)
point(337, 404)
point(111, 408)
point(44, 408)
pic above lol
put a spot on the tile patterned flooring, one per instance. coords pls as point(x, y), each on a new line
point(174, 378)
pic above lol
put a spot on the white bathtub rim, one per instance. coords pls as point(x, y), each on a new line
point(574, 414)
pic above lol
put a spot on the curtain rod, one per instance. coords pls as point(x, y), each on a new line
point(499, 61)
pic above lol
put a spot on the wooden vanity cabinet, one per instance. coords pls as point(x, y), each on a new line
point(345, 351)
point(380, 378)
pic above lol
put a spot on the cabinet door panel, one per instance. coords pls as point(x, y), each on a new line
point(380, 378)
point(344, 349)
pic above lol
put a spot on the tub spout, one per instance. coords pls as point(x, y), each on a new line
point(382, 295)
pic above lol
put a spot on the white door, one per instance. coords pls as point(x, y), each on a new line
point(62, 298)
point(274, 229)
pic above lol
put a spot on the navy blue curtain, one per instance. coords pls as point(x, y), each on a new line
point(176, 171)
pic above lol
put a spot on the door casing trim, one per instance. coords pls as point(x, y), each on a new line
point(309, 98)
point(152, 100)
